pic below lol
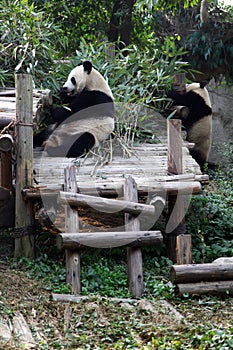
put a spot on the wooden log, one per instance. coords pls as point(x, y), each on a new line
point(6, 119)
point(134, 254)
point(110, 189)
point(201, 272)
point(183, 249)
point(25, 245)
point(73, 259)
point(108, 239)
point(209, 288)
point(6, 142)
point(105, 205)
point(69, 298)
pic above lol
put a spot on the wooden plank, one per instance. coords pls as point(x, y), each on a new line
point(134, 254)
point(73, 259)
point(108, 239)
point(105, 205)
point(25, 245)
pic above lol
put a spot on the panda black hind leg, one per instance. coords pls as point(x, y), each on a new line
point(81, 146)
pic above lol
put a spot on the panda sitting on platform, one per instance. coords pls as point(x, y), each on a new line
point(198, 123)
point(87, 119)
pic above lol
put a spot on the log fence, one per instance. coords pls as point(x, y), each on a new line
point(132, 238)
point(167, 172)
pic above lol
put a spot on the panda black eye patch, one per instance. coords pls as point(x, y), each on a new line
point(73, 81)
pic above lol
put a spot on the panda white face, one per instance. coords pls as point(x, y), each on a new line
point(86, 76)
point(76, 81)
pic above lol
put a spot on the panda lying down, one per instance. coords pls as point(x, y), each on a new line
point(88, 117)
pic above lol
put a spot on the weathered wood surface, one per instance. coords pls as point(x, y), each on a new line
point(24, 246)
point(134, 254)
point(105, 205)
point(145, 165)
point(108, 239)
point(8, 103)
point(73, 258)
point(176, 207)
point(201, 272)
point(210, 288)
point(184, 251)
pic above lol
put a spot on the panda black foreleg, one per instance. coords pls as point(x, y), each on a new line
point(43, 135)
point(199, 157)
point(81, 146)
point(59, 114)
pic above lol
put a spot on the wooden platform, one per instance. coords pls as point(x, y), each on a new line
point(146, 163)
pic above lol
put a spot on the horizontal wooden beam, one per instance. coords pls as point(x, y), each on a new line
point(108, 239)
point(115, 189)
point(209, 288)
point(105, 205)
point(201, 272)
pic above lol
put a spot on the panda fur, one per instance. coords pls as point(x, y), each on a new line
point(88, 117)
point(198, 123)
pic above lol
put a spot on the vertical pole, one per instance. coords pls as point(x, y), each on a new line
point(176, 223)
point(73, 268)
point(184, 243)
point(134, 255)
point(25, 243)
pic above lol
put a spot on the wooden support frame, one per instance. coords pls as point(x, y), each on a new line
point(25, 243)
point(73, 261)
point(134, 255)
point(132, 238)
point(176, 225)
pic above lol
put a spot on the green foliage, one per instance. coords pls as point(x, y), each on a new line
point(175, 5)
point(88, 19)
point(27, 41)
point(51, 271)
point(140, 77)
point(210, 216)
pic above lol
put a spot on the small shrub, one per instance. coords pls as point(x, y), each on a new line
point(210, 216)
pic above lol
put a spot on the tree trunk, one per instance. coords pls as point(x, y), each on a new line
point(121, 22)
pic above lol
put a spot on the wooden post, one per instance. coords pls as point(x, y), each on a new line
point(176, 223)
point(73, 270)
point(184, 246)
point(25, 242)
point(174, 147)
point(134, 255)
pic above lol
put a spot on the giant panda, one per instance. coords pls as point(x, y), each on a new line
point(198, 122)
point(86, 120)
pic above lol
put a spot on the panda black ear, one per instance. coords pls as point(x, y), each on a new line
point(87, 65)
